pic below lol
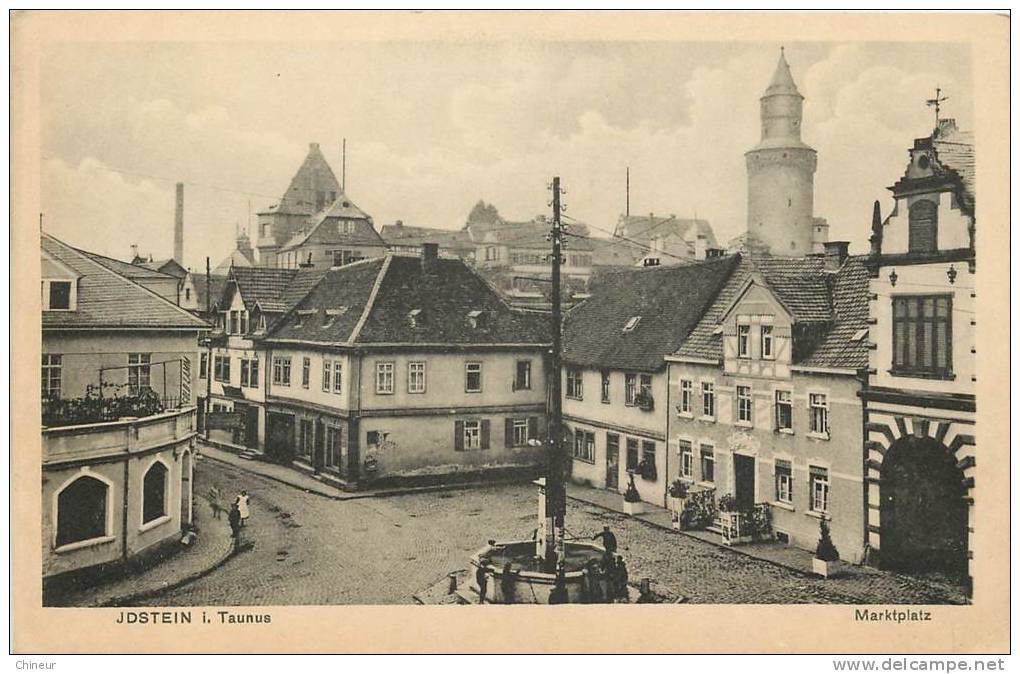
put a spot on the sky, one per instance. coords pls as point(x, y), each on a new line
point(432, 127)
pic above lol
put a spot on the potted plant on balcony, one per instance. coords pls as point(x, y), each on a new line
point(677, 500)
point(644, 401)
point(826, 554)
point(632, 504)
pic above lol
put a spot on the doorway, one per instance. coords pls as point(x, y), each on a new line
point(923, 508)
point(612, 461)
point(743, 475)
point(280, 437)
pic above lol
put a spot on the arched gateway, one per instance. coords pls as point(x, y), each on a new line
point(920, 494)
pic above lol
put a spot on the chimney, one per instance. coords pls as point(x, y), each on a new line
point(134, 252)
point(429, 257)
point(835, 254)
point(179, 224)
point(398, 223)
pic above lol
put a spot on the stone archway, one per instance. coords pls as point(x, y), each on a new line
point(923, 508)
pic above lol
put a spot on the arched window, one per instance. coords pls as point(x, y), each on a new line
point(81, 510)
point(154, 493)
point(923, 227)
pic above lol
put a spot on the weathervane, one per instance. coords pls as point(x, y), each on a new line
point(936, 102)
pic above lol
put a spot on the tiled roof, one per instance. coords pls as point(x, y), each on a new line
point(131, 271)
point(391, 288)
point(260, 284)
point(838, 300)
point(668, 300)
point(168, 266)
point(324, 227)
point(956, 150)
point(106, 299)
point(406, 235)
point(534, 234)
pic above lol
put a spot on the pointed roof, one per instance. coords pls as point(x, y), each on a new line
point(314, 175)
point(108, 300)
point(237, 258)
point(782, 80)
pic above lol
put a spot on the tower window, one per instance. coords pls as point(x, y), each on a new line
point(923, 227)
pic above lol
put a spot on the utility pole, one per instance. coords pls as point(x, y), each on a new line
point(555, 489)
point(208, 358)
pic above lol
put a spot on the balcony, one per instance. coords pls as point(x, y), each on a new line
point(124, 436)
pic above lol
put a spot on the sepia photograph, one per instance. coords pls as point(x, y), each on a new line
point(506, 317)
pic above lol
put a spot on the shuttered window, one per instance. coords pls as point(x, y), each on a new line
point(923, 235)
point(923, 335)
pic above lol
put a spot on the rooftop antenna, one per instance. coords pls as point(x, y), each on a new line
point(936, 103)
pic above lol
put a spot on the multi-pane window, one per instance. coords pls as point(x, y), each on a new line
point(648, 459)
point(745, 404)
point(221, 369)
point(333, 446)
point(138, 372)
point(629, 388)
point(519, 432)
point(707, 463)
point(819, 489)
point(472, 435)
point(923, 335)
point(923, 227)
point(51, 375)
point(338, 377)
point(244, 372)
point(708, 399)
point(522, 380)
point(584, 446)
point(784, 410)
point(384, 378)
point(250, 372)
point(744, 340)
point(784, 481)
point(767, 351)
point(203, 365)
point(575, 384)
point(686, 459)
point(645, 390)
point(233, 323)
point(632, 454)
point(306, 372)
point(281, 370)
point(686, 396)
point(243, 327)
point(818, 404)
point(605, 386)
point(473, 377)
point(416, 377)
point(327, 374)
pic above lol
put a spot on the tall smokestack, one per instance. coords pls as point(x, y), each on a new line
point(179, 225)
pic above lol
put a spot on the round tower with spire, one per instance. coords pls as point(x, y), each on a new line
point(780, 172)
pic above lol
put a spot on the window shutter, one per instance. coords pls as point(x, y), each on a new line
point(485, 433)
point(508, 433)
point(532, 428)
point(458, 436)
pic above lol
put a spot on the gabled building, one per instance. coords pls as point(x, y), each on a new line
point(616, 393)
point(401, 238)
point(402, 366)
point(764, 393)
point(242, 256)
point(117, 415)
point(313, 188)
point(168, 266)
point(252, 299)
point(920, 402)
point(339, 234)
point(671, 240)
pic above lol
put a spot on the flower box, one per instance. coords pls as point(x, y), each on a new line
point(822, 567)
point(633, 507)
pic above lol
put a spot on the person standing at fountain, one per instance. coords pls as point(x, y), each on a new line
point(608, 539)
point(621, 579)
point(508, 583)
point(482, 578)
point(559, 591)
point(595, 590)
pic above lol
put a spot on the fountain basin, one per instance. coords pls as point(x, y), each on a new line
point(532, 585)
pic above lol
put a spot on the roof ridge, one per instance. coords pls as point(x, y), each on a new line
point(153, 293)
point(370, 302)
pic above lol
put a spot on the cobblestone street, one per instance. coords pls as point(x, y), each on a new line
point(310, 550)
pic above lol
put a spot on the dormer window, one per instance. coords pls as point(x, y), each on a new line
point(477, 319)
point(416, 317)
point(301, 314)
point(330, 316)
point(59, 295)
point(632, 323)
